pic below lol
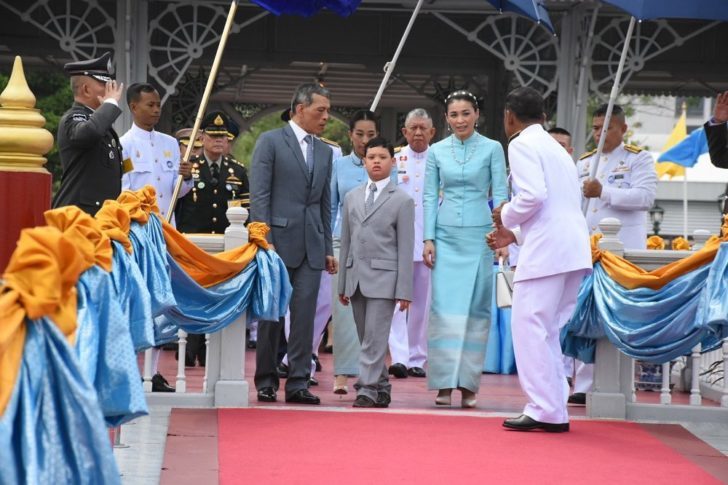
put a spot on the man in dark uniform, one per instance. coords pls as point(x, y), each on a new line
point(219, 181)
point(89, 148)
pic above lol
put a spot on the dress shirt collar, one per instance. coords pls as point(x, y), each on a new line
point(355, 160)
point(217, 161)
point(300, 133)
point(417, 155)
point(141, 132)
point(380, 185)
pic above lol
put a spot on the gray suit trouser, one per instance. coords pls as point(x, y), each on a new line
point(305, 281)
point(373, 317)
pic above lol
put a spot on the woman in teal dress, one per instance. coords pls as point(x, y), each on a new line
point(462, 170)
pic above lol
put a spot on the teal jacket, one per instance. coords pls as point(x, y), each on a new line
point(465, 174)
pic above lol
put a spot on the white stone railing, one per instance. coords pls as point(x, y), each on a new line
point(614, 393)
point(224, 384)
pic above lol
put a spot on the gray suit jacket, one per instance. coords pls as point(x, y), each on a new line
point(293, 203)
point(376, 248)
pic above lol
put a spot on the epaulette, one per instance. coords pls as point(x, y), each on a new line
point(588, 154)
point(329, 142)
point(397, 149)
point(233, 160)
point(632, 148)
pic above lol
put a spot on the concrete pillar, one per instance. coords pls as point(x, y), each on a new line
point(231, 389)
point(612, 369)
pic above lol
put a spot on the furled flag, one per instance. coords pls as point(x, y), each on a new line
point(678, 134)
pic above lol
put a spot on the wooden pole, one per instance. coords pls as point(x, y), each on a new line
point(203, 102)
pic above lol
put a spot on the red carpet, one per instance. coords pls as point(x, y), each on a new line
point(291, 447)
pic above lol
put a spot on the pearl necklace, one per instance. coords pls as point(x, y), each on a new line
point(467, 157)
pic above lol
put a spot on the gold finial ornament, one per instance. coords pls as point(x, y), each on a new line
point(23, 138)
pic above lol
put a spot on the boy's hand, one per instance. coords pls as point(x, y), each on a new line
point(344, 300)
point(403, 305)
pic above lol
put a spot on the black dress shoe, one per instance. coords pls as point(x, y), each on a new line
point(313, 381)
point(578, 398)
point(416, 372)
point(303, 397)
point(315, 359)
point(160, 384)
point(398, 370)
point(383, 400)
point(266, 394)
point(364, 402)
point(282, 371)
point(525, 423)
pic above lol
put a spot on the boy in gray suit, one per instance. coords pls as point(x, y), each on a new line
point(377, 240)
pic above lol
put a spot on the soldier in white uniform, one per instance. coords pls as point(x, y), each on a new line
point(624, 187)
point(153, 158)
point(408, 335)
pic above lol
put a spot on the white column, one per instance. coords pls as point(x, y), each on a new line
point(700, 237)
point(695, 397)
point(611, 368)
point(724, 399)
point(231, 390)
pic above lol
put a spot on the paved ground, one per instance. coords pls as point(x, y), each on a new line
point(141, 462)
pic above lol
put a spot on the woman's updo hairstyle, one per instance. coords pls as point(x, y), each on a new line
point(462, 95)
point(363, 115)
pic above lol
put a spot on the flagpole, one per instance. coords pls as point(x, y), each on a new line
point(389, 67)
point(203, 103)
point(685, 204)
point(610, 107)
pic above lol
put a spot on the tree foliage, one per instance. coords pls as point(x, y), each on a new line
point(335, 131)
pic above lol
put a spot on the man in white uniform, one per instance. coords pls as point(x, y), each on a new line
point(625, 187)
point(554, 256)
point(153, 159)
point(408, 335)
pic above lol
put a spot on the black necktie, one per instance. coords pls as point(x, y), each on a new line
point(215, 171)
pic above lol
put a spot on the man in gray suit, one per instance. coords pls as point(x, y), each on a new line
point(290, 191)
point(377, 240)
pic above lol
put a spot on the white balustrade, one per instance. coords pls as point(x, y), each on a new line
point(224, 382)
point(614, 393)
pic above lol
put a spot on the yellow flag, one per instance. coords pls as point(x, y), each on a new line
point(678, 134)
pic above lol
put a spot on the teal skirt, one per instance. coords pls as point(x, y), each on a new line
point(462, 288)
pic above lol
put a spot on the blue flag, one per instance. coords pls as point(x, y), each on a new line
point(686, 152)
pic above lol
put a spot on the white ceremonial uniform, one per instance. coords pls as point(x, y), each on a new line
point(554, 257)
point(408, 335)
point(629, 187)
point(155, 158)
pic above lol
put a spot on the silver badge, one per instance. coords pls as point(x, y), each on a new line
point(201, 185)
point(111, 154)
point(229, 187)
point(113, 142)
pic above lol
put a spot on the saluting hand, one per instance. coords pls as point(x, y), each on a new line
point(720, 114)
point(112, 91)
point(185, 169)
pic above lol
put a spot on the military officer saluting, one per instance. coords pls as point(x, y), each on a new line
point(217, 181)
point(88, 146)
point(625, 187)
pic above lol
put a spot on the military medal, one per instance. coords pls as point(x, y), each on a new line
point(229, 187)
point(201, 185)
point(113, 143)
point(111, 154)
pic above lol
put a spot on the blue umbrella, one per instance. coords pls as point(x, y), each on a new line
point(307, 8)
point(533, 9)
point(673, 9)
point(648, 10)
